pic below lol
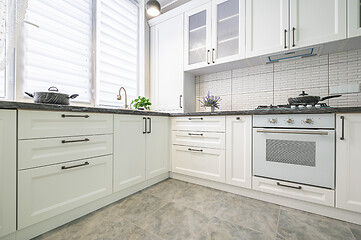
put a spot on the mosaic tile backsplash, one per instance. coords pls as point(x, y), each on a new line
point(246, 88)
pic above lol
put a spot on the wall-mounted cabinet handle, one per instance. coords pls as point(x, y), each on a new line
point(180, 101)
point(342, 128)
point(285, 38)
point(213, 55)
point(238, 118)
point(208, 52)
point(195, 118)
point(75, 141)
point(150, 125)
point(144, 125)
point(283, 185)
point(195, 150)
point(74, 116)
point(74, 166)
point(293, 37)
point(195, 134)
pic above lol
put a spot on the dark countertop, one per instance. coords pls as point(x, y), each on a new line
point(70, 108)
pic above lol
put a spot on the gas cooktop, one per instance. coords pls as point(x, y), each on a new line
point(288, 106)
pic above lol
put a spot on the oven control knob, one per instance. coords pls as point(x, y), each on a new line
point(273, 120)
point(290, 120)
point(308, 120)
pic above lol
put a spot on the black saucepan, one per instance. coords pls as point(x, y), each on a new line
point(305, 99)
point(52, 97)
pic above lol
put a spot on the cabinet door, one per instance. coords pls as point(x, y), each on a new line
point(129, 151)
point(348, 164)
point(228, 30)
point(167, 64)
point(314, 22)
point(157, 146)
point(266, 26)
point(238, 150)
point(7, 171)
point(354, 18)
point(198, 37)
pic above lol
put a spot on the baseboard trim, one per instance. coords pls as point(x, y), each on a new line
point(327, 211)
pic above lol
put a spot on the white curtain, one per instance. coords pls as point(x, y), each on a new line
point(12, 14)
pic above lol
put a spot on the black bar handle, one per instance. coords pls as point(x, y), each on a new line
point(195, 134)
point(293, 34)
point(145, 125)
point(75, 141)
point(74, 116)
point(282, 185)
point(195, 118)
point(79, 165)
point(195, 150)
point(285, 38)
point(150, 125)
point(180, 101)
point(342, 128)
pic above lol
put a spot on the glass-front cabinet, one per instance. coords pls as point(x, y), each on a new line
point(354, 18)
point(214, 33)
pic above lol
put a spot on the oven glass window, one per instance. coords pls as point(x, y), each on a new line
point(291, 152)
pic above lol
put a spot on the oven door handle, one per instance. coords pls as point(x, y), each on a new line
point(293, 132)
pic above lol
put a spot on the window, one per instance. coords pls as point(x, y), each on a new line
point(3, 17)
point(117, 50)
point(58, 47)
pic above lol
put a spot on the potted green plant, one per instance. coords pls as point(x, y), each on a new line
point(141, 103)
point(210, 102)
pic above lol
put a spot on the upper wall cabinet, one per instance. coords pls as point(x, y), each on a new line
point(354, 18)
point(276, 25)
point(214, 33)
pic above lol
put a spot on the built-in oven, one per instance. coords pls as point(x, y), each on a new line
point(297, 148)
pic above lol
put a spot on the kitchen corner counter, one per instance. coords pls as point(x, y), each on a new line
point(274, 111)
point(70, 108)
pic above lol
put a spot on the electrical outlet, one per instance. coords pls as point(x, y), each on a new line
point(345, 89)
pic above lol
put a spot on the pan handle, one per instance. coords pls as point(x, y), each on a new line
point(29, 94)
point(73, 96)
point(328, 97)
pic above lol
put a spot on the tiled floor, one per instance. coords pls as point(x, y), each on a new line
point(174, 209)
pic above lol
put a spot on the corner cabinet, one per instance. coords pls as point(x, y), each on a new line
point(354, 18)
point(348, 164)
point(141, 149)
point(239, 151)
point(7, 172)
point(276, 25)
point(214, 33)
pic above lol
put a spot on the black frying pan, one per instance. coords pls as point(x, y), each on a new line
point(305, 99)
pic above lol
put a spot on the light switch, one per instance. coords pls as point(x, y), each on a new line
point(344, 89)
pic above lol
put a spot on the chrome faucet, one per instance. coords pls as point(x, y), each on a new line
point(119, 97)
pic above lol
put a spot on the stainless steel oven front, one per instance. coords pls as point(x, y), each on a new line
point(295, 148)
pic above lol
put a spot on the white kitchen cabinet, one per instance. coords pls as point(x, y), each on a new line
point(129, 151)
point(238, 150)
point(354, 18)
point(215, 33)
point(199, 139)
point(267, 26)
point(199, 123)
point(157, 146)
point(348, 164)
point(45, 192)
point(141, 149)
point(203, 163)
point(314, 22)
point(7, 172)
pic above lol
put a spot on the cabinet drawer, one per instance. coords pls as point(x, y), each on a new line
point(48, 191)
point(199, 139)
point(296, 191)
point(209, 124)
point(199, 162)
point(40, 152)
point(42, 124)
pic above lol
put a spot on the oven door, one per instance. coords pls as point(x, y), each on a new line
point(295, 155)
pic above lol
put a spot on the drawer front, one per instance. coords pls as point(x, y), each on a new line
point(199, 139)
point(41, 152)
point(296, 191)
point(49, 191)
point(42, 124)
point(208, 124)
point(199, 162)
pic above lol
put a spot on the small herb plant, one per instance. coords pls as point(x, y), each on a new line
point(210, 101)
point(141, 102)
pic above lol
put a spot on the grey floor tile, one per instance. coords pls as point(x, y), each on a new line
point(356, 230)
point(298, 225)
point(250, 213)
point(175, 222)
point(168, 190)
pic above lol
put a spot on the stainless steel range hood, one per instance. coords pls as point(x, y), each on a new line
point(293, 54)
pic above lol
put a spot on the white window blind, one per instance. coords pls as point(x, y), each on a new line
point(3, 31)
point(117, 51)
point(58, 53)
